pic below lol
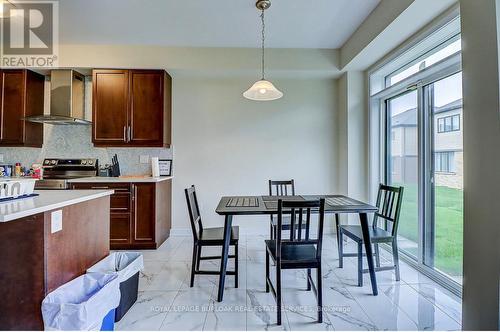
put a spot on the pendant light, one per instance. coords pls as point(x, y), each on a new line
point(263, 90)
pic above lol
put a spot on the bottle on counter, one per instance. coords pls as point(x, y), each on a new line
point(18, 171)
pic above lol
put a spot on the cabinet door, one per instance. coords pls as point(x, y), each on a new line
point(12, 107)
point(146, 102)
point(110, 107)
point(120, 228)
point(35, 86)
point(144, 212)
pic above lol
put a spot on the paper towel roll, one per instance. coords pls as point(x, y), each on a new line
point(155, 166)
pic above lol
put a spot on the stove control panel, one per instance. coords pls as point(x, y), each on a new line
point(91, 163)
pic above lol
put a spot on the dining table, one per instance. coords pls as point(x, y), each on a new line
point(230, 206)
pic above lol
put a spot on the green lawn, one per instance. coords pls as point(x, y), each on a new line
point(449, 226)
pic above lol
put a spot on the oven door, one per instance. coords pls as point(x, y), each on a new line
point(51, 184)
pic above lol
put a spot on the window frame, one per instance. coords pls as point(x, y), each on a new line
point(429, 53)
point(379, 159)
point(450, 162)
point(452, 119)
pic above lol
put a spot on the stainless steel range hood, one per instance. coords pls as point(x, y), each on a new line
point(67, 98)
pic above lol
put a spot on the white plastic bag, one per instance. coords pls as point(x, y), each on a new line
point(82, 303)
point(125, 264)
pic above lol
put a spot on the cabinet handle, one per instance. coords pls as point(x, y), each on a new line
point(125, 133)
point(129, 133)
point(100, 187)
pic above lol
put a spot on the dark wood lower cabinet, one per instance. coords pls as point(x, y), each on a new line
point(140, 213)
point(119, 229)
point(144, 211)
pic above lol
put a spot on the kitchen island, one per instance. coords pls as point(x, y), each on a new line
point(45, 242)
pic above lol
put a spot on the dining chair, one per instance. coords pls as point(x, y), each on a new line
point(208, 237)
point(296, 251)
point(389, 200)
point(280, 188)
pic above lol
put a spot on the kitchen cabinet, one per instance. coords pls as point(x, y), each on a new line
point(110, 107)
point(144, 210)
point(22, 93)
point(140, 212)
point(131, 108)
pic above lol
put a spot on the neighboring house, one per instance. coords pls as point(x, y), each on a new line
point(404, 147)
point(448, 146)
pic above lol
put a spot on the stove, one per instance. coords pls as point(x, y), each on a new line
point(57, 172)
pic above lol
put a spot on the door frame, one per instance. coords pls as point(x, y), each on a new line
point(421, 82)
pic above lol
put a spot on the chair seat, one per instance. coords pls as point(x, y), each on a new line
point(215, 236)
point(376, 234)
point(294, 255)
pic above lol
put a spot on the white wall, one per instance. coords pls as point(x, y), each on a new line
point(352, 137)
point(481, 103)
point(227, 145)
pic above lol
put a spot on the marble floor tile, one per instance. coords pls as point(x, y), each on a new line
point(381, 311)
point(441, 298)
point(184, 321)
point(225, 321)
point(148, 312)
point(151, 270)
point(169, 277)
point(166, 302)
point(423, 312)
point(261, 314)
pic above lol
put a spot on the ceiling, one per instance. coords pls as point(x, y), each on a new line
point(204, 23)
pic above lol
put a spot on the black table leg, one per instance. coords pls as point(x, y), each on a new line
point(337, 228)
point(369, 253)
point(225, 252)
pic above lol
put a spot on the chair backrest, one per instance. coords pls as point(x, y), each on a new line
point(297, 210)
point(281, 188)
point(194, 212)
point(389, 200)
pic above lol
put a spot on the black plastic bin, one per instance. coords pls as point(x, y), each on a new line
point(127, 265)
point(129, 290)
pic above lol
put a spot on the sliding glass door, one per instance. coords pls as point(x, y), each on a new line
point(424, 154)
point(402, 164)
point(446, 176)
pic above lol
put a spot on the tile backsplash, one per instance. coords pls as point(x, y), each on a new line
point(75, 142)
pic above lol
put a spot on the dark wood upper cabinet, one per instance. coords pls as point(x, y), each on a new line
point(110, 107)
point(22, 93)
point(131, 108)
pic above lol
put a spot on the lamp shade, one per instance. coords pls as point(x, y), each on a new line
point(263, 90)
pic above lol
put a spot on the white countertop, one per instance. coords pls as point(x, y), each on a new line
point(46, 201)
point(125, 179)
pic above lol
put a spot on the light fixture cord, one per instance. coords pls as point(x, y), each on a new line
point(263, 40)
